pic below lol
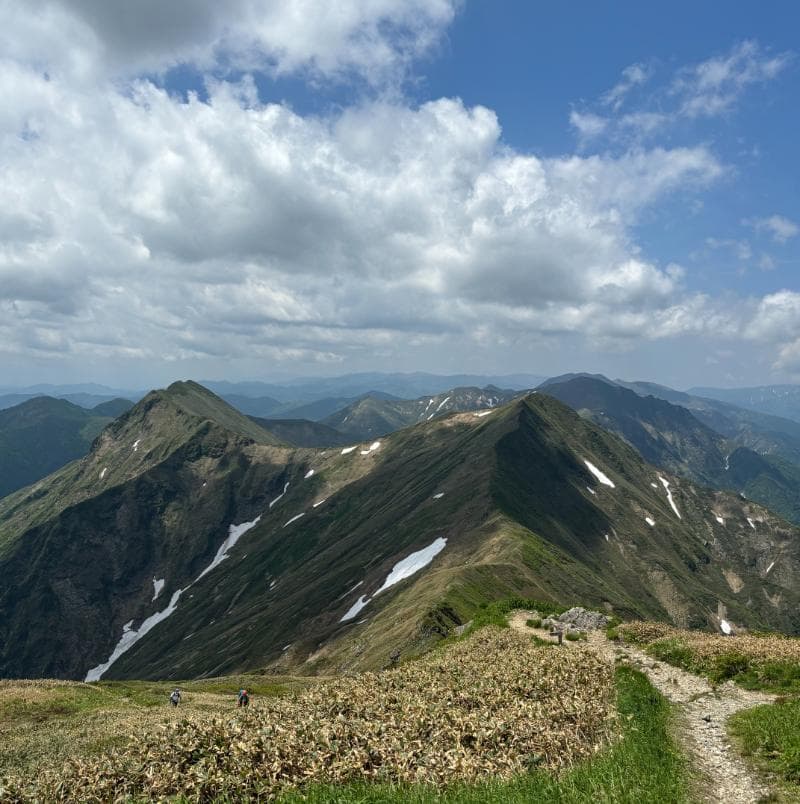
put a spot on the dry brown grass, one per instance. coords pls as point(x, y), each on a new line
point(491, 706)
point(707, 647)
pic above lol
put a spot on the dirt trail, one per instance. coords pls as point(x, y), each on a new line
point(703, 713)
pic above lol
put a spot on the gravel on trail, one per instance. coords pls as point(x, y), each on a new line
point(702, 717)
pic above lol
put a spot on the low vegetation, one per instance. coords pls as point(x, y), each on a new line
point(489, 708)
point(755, 661)
point(770, 735)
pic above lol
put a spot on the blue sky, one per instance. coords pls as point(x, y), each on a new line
point(265, 189)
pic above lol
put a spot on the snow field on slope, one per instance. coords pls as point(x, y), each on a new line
point(600, 475)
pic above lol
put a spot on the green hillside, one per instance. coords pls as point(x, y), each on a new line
point(193, 554)
point(40, 435)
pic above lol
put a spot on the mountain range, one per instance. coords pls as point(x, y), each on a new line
point(191, 541)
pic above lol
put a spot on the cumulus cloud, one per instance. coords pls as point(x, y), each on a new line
point(257, 230)
point(376, 39)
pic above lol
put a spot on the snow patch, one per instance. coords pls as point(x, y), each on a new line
point(104, 472)
point(136, 445)
point(769, 568)
point(158, 585)
point(606, 535)
point(317, 504)
point(272, 584)
point(591, 491)
point(719, 519)
point(347, 450)
point(751, 523)
point(355, 608)
point(725, 627)
point(654, 485)
point(235, 532)
point(650, 521)
point(309, 473)
point(438, 496)
point(727, 462)
point(130, 637)
point(601, 476)
point(294, 519)
point(483, 413)
point(279, 496)
point(443, 403)
point(665, 484)
point(413, 563)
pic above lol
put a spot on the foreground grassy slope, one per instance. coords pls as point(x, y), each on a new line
point(506, 712)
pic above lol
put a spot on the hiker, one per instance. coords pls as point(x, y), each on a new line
point(243, 699)
point(175, 698)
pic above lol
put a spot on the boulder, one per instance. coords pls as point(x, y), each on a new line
point(583, 620)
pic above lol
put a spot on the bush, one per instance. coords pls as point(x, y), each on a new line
point(727, 666)
point(672, 651)
point(572, 636)
point(536, 622)
point(612, 633)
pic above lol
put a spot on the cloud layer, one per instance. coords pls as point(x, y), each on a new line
point(136, 224)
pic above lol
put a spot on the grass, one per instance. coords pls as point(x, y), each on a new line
point(771, 736)
point(496, 612)
point(643, 766)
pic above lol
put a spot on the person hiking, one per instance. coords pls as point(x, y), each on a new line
point(243, 699)
point(175, 698)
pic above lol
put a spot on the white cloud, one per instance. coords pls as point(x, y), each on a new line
point(781, 229)
point(376, 39)
point(708, 89)
point(713, 86)
point(632, 76)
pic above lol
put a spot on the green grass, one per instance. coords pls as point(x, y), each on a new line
point(644, 766)
point(496, 612)
point(771, 736)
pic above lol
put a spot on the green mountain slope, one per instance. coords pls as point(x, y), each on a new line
point(670, 436)
point(372, 416)
point(42, 434)
point(303, 560)
point(303, 433)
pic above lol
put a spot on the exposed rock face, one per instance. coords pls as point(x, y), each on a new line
point(584, 620)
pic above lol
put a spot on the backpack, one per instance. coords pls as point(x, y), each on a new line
point(175, 697)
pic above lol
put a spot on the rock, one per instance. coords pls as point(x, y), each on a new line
point(707, 718)
point(583, 620)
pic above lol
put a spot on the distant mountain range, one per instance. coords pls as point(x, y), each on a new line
point(42, 434)
point(776, 400)
point(192, 541)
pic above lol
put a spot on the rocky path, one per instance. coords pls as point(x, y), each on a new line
point(702, 716)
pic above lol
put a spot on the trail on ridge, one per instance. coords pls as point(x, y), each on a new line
point(702, 717)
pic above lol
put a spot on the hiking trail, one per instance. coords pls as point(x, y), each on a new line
point(702, 714)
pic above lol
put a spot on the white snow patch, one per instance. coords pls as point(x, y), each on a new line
point(347, 450)
point(665, 484)
point(136, 445)
point(719, 519)
point(482, 413)
point(413, 563)
point(351, 590)
point(355, 608)
point(601, 476)
point(591, 491)
point(751, 523)
point(294, 519)
point(727, 462)
point(272, 584)
point(443, 403)
point(104, 472)
point(286, 647)
point(317, 504)
point(769, 568)
point(279, 496)
point(235, 532)
point(438, 496)
point(606, 535)
point(309, 473)
point(158, 585)
point(130, 637)
point(725, 627)
point(650, 521)
point(654, 485)
point(205, 483)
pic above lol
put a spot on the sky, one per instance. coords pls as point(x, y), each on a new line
point(260, 189)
